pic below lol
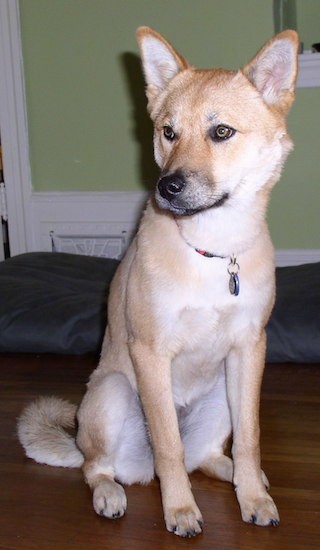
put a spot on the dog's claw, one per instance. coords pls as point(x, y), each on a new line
point(187, 535)
point(193, 532)
point(253, 519)
point(200, 523)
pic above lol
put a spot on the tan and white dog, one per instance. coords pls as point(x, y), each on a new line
point(184, 352)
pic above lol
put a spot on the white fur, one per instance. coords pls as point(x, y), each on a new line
point(40, 431)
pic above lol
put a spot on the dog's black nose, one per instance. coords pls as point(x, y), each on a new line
point(171, 186)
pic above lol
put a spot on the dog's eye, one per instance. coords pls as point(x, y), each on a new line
point(221, 132)
point(169, 133)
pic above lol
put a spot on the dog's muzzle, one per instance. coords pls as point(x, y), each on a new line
point(172, 195)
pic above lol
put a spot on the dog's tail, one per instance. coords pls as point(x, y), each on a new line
point(41, 432)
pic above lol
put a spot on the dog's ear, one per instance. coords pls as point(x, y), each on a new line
point(161, 62)
point(273, 70)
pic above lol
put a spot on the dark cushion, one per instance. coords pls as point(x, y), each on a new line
point(294, 327)
point(57, 303)
point(54, 302)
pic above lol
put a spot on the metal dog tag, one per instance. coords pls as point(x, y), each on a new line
point(234, 284)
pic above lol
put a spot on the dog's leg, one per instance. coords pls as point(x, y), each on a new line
point(244, 374)
point(181, 513)
point(220, 467)
point(101, 419)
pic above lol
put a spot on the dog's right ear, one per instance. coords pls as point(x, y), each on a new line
point(161, 62)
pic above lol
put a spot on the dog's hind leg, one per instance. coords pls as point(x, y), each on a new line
point(111, 431)
point(218, 466)
point(221, 467)
point(206, 429)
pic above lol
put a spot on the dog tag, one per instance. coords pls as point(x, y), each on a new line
point(234, 284)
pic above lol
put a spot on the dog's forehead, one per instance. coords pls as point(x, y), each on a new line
point(212, 95)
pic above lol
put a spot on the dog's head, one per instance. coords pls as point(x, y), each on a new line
point(217, 133)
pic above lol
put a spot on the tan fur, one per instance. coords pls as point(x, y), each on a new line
point(183, 358)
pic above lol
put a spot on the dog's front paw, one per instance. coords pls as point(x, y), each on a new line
point(260, 511)
point(109, 499)
point(185, 522)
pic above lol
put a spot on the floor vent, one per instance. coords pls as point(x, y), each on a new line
point(103, 246)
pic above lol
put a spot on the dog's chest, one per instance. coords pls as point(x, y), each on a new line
point(203, 337)
point(202, 324)
point(197, 314)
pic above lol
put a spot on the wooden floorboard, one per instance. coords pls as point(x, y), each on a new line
point(50, 508)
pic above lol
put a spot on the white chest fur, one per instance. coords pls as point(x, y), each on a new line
point(199, 321)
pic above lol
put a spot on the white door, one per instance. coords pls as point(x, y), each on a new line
point(2, 256)
point(13, 130)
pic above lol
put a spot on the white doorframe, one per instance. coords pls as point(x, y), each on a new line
point(1, 246)
point(13, 127)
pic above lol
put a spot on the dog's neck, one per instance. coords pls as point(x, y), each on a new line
point(223, 232)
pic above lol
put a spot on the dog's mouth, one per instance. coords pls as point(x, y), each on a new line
point(185, 210)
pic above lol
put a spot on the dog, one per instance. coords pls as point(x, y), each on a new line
point(184, 351)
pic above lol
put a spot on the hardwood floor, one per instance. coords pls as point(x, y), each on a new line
point(50, 508)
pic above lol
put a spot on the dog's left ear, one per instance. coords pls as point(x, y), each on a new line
point(161, 62)
point(273, 70)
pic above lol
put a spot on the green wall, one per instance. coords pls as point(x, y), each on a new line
point(88, 128)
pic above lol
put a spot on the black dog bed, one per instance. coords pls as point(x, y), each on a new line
point(57, 303)
point(294, 327)
point(54, 302)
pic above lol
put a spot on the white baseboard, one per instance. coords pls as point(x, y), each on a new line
point(102, 223)
point(297, 256)
point(309, 70)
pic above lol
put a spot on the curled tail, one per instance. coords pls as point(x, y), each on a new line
point(41, 432)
